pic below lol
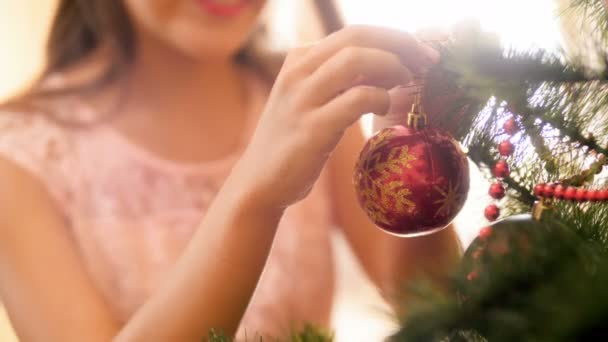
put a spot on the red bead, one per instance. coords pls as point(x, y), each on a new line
point(510, 126)
point(492, 212)
point(603, 195)
point(539, 190)
point(559, 191)
point(570, 193)
point(581, 195)
point(478, 253)
point(501, 169)
point(549, 190)
point(485, 233)
point(592, 195)
point(497, 191)
point(472, 275)
point(505, 148)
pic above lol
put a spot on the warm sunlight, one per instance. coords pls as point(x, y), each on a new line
point(521, 23)
point(360, 313)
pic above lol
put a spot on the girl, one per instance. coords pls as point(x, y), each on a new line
point(147, 175)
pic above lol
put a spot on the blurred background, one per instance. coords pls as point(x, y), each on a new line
point(360, 313)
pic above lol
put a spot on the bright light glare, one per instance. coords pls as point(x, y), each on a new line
point(519, 23)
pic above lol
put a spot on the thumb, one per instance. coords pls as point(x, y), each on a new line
point(401, 100)
point(401, 103)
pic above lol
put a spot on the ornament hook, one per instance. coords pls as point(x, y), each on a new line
point(416, 118)
point(540, 207)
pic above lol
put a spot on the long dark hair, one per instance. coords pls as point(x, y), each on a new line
point(80, 27)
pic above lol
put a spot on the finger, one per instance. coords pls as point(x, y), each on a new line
point(401, 99)
point(412, 53)
point(432, 35)
point(347, 108)
point(354, 66)
point(287, 75)
point(296, 53)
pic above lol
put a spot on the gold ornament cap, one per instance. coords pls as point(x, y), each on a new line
point(540, 207)
point(416, 118)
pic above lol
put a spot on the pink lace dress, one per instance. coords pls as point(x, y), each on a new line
point(131, 214)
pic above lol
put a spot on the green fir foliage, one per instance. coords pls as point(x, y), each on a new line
point(534, 281)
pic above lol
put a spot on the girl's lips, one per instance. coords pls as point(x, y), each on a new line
point(222, 9)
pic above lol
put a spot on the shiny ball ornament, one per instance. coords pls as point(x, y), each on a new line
point(515, 237)
point(411, 181)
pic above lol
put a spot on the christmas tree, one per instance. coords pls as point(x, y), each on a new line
point(536, 123)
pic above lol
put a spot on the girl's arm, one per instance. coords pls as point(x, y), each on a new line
point(389, 261)
point(49, 296)
point(317, 95)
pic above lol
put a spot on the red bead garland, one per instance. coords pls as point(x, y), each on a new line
point(501, 169)
point(570, 193)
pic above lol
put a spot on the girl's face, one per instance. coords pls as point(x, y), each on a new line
point(200, 29)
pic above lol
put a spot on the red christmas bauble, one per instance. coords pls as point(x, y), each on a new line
point(506, 148)
point(411, 181)
point(497, 191)
point(515, 237)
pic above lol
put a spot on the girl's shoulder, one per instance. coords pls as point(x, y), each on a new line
point(35, 142)
point(28, 133)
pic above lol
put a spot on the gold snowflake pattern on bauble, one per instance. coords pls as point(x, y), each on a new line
point(383, 190)
point(450, 198)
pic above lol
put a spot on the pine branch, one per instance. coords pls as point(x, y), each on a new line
point(536, 137)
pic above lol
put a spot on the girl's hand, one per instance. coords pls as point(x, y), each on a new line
point(321, 90)
point(402, 98)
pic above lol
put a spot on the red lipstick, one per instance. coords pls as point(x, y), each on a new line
point(220, 9)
